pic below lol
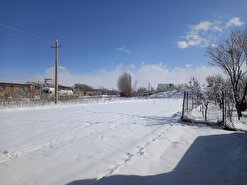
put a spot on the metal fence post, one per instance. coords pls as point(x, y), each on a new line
point(187, 103)
point(183, 106)
point(223, 108)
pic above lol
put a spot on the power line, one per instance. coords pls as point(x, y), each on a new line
point(29, 33)
point(11, 22)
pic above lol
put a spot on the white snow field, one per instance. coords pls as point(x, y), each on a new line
point(127, 142)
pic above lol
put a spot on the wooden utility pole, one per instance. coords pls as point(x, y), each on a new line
point(56, 69)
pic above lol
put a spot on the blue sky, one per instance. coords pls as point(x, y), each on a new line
point(103, 38)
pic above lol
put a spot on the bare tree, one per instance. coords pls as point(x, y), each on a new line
point(141, 91)
point(83, 87)
point(231, 57)
point(124, 84)
point(205, 99)
point(241, 40)
point(215, 85)
point(196, 91)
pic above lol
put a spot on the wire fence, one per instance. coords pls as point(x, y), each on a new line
point(49, 100)
point(196, 108)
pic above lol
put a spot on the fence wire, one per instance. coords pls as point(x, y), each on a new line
point(198, 109)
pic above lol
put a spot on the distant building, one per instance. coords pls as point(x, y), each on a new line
point(17, 90)
point(12, 86)
point(162, 87)
point(49, 82)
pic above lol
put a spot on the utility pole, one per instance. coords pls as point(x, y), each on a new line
point(56, 69)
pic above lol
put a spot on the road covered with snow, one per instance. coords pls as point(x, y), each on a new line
point(139, 141)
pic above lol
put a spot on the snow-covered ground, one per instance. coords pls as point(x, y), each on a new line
point(118, 142)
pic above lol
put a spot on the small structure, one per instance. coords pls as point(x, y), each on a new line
point(62, 87)
point(50, 88)
point(49, 82)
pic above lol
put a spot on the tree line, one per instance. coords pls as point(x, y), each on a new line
point(229, 55)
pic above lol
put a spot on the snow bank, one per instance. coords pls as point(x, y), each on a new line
point(237, 124)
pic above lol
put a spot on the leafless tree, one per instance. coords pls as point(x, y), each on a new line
point(83, 87)
point(124, 84)
point(231, 57)
point(215, 85)
point(196, 91)
point(241, 39)
point(141, 91)
point(205, 99)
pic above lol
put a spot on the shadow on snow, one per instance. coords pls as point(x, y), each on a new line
point(210, 160)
